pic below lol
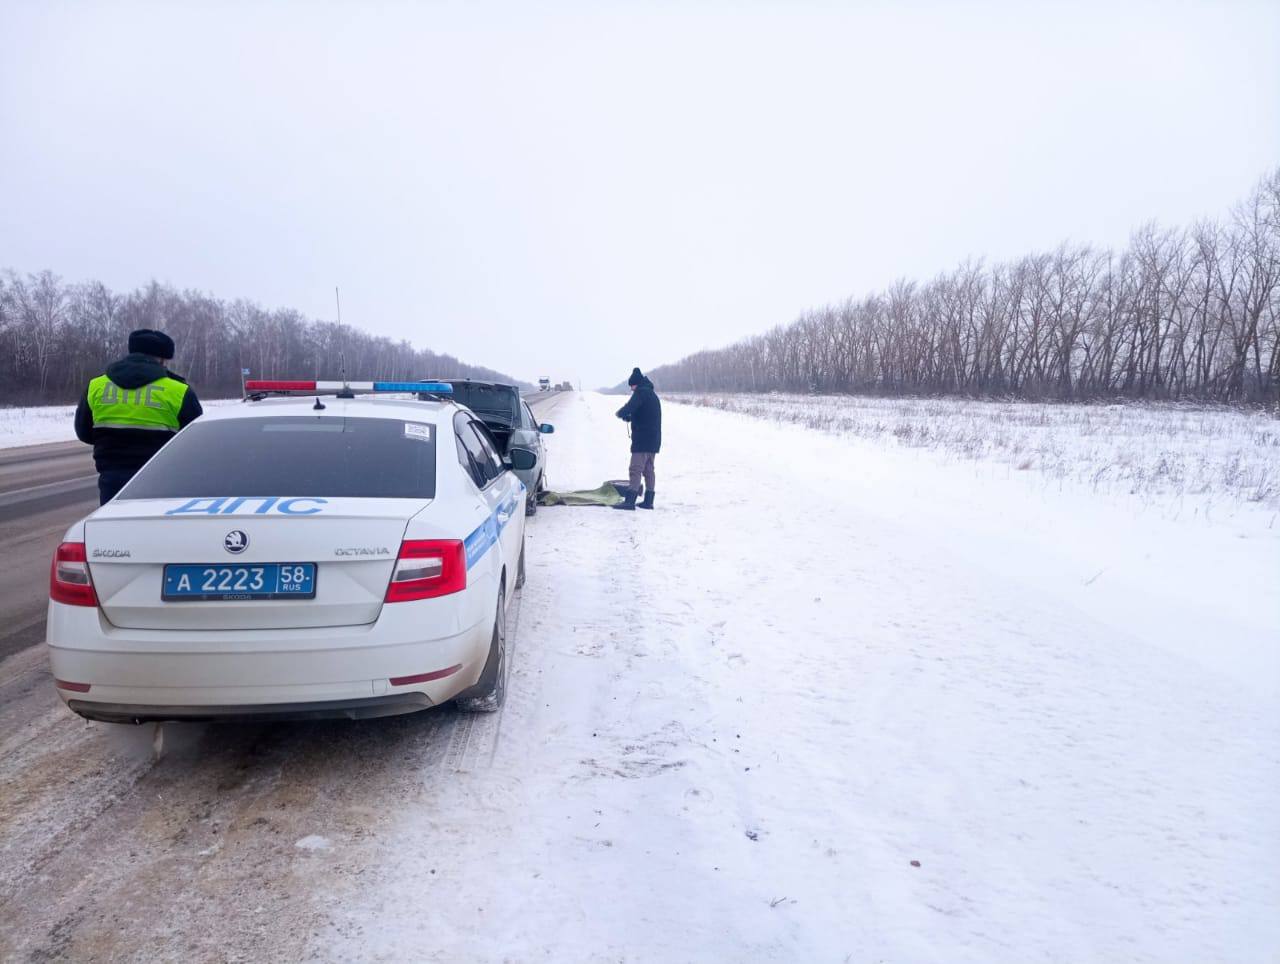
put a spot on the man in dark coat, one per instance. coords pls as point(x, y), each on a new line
point(129, 413)
point(644, 412)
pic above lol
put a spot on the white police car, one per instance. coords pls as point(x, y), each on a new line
point(346, 554)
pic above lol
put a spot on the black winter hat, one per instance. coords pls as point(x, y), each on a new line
point(636, 378)
point(145, 341)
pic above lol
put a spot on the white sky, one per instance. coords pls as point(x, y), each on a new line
point(584, 188)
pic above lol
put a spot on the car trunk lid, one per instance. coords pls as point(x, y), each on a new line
point(353, 543)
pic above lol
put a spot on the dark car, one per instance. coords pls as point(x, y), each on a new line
point(511, 422)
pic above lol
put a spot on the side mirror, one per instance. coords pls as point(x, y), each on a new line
point(546, 429)
point(522, 460)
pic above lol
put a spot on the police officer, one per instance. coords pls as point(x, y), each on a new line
point(130, 412)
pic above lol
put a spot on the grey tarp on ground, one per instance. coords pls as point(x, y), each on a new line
point(606, 494)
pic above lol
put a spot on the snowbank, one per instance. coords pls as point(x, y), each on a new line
point(1149, 449)
point(841, 700)
point(36, 425)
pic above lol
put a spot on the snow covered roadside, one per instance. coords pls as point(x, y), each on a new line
point(1165, 452)
point(736, 724)
point(41, 424)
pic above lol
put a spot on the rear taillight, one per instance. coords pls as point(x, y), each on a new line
point(428, 568)
point(69, 580)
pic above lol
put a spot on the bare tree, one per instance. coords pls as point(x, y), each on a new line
point(54, 337)
point(1177, 314)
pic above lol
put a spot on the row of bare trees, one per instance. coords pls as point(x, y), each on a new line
point(1189, 313)
point(55, 336)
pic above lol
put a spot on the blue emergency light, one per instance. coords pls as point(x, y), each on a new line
point(435, 388)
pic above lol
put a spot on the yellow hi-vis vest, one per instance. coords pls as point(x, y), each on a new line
point(154, 406)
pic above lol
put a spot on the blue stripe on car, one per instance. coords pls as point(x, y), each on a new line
point(478, 543)
point(487, 532)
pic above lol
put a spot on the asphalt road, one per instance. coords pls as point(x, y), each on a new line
point(43, 489)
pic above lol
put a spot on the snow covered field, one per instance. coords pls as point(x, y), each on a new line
point(1157, 451)
point(35, 425)
point(835, 700)
point(738, 724)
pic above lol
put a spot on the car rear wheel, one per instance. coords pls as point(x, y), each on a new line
point(531, 504)
point(491, 689)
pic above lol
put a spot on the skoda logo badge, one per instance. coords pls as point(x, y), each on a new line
point(236, 542)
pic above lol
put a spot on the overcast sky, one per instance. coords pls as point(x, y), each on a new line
point(584, 188)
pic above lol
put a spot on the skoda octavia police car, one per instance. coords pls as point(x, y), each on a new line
point(338, 554)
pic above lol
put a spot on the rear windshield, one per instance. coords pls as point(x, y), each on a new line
point(489, 402)
point(376, 458)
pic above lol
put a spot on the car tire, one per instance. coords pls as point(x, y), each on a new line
point(531, 502)
point(491, 689)
point(520, 569)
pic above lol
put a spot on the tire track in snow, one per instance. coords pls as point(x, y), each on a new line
point(44, 752)
point(473, 739)
point(106, 853)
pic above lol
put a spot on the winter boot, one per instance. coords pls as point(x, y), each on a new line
point(628, 501)
point(648, 500)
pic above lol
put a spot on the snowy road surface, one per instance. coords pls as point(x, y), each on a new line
point(830, 702)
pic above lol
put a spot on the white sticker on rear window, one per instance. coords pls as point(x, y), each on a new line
point(417, 430)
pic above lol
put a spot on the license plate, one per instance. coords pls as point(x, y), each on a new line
point(220, 583)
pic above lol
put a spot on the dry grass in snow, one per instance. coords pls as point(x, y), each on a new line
point(1142, 449)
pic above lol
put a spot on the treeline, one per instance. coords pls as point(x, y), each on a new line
point(1178, 314)
point(55, 336)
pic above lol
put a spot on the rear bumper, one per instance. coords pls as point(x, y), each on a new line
point(362, 709)
point(141, 675)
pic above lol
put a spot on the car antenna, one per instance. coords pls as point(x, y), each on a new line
point(319, 405)
point(345, 391)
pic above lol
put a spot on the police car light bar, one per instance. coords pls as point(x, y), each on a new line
point(260, 386)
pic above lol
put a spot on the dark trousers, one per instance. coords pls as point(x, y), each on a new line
point(111, 481)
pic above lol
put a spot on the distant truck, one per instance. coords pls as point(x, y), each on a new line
point(544, 384)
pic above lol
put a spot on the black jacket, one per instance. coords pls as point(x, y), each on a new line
point(125, 449)
point(644, 412)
